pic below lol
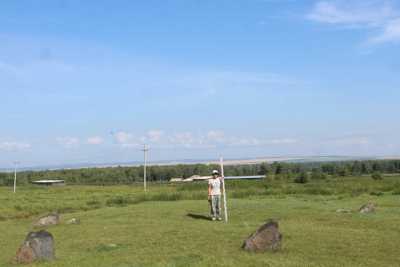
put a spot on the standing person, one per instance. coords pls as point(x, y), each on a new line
point(214, 195)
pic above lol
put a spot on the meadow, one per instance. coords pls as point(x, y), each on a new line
point(168, 226)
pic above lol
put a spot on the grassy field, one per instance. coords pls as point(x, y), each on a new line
point(120, 226)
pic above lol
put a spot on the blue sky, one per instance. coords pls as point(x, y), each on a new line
point(91, 81)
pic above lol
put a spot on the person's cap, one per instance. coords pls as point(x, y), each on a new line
point(215, 172)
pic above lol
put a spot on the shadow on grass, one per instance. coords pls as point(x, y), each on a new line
point(198, 216)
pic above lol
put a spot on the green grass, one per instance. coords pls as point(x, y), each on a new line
point(120, 226)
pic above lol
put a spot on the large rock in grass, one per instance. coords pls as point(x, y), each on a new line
point(50, 219)
point(37, 246)
point(266, 238)
point(368, 208)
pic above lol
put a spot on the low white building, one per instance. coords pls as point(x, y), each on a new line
point(49, 182)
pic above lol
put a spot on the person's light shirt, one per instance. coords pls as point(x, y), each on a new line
point(215, 185)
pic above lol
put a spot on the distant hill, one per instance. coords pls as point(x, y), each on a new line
point(227, 161)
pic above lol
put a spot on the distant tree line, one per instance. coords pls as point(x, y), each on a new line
point(276, 170)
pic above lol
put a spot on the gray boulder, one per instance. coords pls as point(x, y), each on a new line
point(50, 219)
point(368, 208)
point(266, 238)
point(37, 246)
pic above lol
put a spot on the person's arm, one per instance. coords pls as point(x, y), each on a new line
point(209, 191)
point(221, 185)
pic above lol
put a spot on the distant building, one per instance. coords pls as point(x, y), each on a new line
point(49, 182)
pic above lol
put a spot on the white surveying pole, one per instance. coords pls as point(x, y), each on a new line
point(223, 189)
point(145, 150)
point(15, 175)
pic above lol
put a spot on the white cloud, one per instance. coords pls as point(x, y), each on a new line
point(127, 140)
point(217, 136)
point(123, 137)
point(155, 135)
point(68, 142)
point(376, 16)
point(282, 141)
point(261, 142)
point(349, 141)
point(210, 139)
point(95, 140)
point(357, 13)
point(186, 139)
point(14, 146)
point(391, 33)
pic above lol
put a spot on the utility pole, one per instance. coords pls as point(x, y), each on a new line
point(221, 160)
point(145, 150)
point(15, 175)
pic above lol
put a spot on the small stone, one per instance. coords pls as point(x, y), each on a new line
point(368, 208)
point(74, 221)
point(37, 246)
point(50, 219)
point(266, 238)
